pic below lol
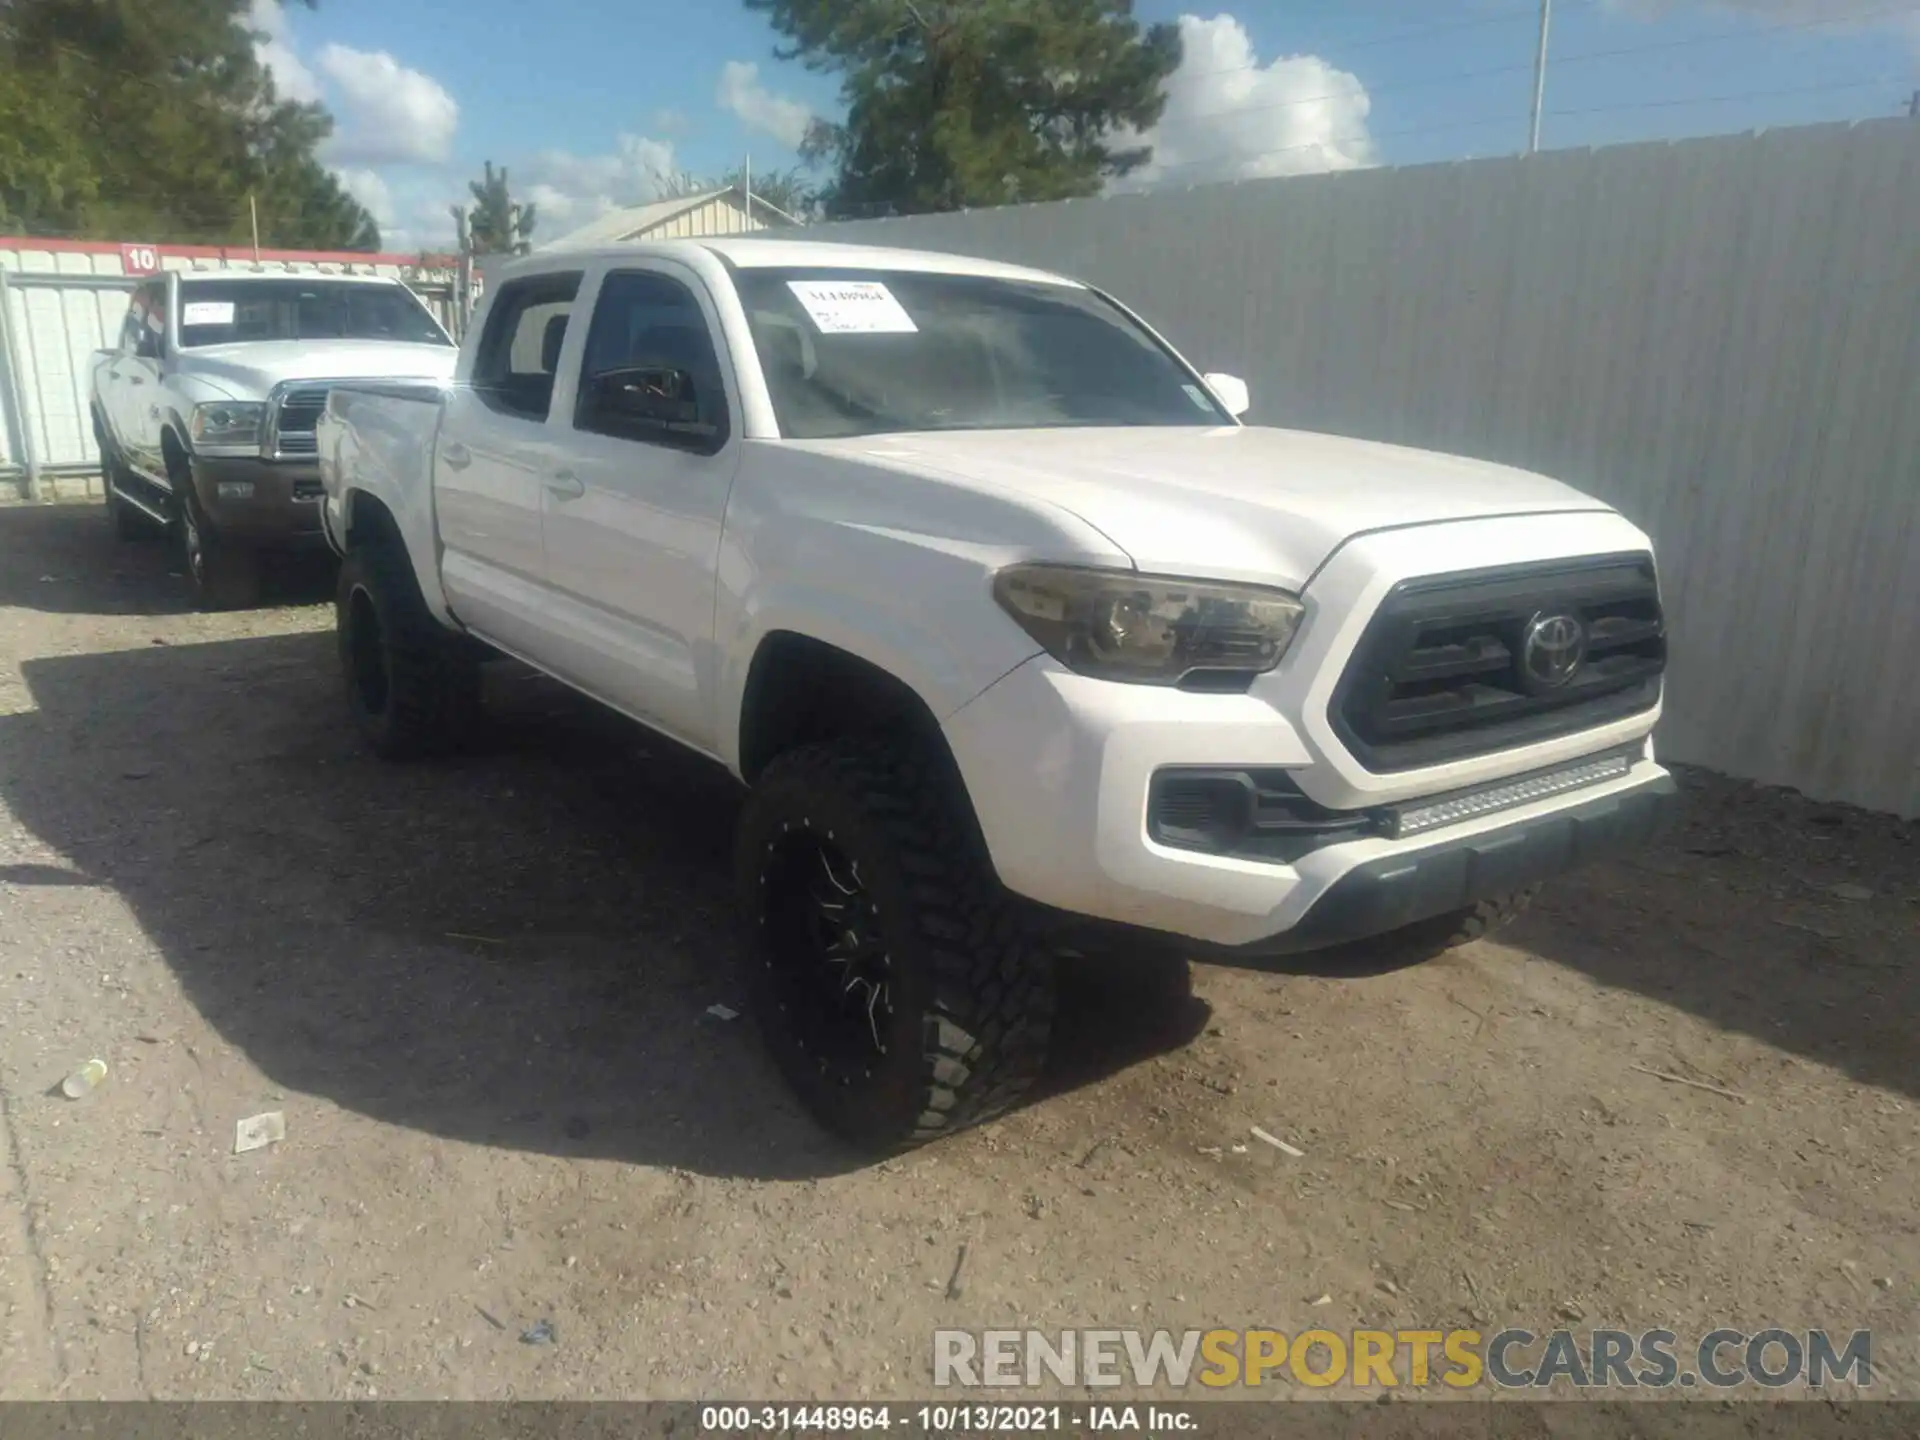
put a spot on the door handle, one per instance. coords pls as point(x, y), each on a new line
point(565, 485)
point(456, 456)
point(135, 380)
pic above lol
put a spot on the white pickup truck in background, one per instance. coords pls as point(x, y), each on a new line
point(1022, 641)
point(204, 410)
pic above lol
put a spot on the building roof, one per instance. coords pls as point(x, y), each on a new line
point(790, 251)
point(634, 221)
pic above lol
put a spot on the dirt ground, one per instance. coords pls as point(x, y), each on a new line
point(478, 992)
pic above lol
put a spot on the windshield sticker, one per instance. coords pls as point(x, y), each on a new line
point(207, 312)
point(1198, 396)
point(852, 307)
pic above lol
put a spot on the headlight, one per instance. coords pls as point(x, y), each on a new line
point(227, 424)
point(1149, 629)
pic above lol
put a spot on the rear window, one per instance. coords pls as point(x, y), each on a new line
point(233, 312)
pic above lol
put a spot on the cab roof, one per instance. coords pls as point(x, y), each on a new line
point(250, 277)
point(754, 253)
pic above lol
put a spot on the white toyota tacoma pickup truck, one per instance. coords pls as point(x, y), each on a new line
point(1022, 642)
point(204, 409)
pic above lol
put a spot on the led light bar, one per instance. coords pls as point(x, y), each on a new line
point(1418, 819)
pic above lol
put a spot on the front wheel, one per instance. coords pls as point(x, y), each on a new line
point(899, 990)
point(411, 686)
point(222, 574)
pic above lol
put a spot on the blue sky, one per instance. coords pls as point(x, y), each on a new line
point(588, 100)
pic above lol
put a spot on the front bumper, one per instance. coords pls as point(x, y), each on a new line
point(1395, 890)
point(279, 506)
point(1068, 828)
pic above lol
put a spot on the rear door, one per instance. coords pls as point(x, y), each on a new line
point(633, 518)
point(496, 448)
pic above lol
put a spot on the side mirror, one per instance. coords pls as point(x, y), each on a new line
point(1230, 391)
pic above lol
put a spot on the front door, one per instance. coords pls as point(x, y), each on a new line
point(134, 397)
point(495, 450)
point(633, 518)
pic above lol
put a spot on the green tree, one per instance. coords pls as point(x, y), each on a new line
point(954, 103)
point(153, 120)
point(496, 223)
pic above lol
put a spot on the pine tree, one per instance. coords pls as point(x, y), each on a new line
point(496, 224)
point(954, 103)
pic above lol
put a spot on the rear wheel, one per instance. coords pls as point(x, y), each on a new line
point(128, 523)
point(414, 689)
point(898, 988)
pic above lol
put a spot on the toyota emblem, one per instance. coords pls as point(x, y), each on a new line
point(1551, 651)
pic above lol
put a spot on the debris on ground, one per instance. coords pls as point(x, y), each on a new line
point(540, 1333)
point(256, 1132)
point(477, 939)
point(1673, 1079)
point(487, 1316)
point(82, 1081)
point(1321, 1300)
point(1849, 891)
point(723, 1012)
point(1278, 1143)
point(953, 1280)
point(1825, 932)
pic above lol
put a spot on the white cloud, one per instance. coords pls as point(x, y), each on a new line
point(387, 112)
point(569, 189)
point(370, 188)
point(273, 48)
point(741, 93)
point(1229, 117)
point(411, 207)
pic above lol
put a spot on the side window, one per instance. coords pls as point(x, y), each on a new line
point(134, 322)
point(520, 348)
point(650, 372)
point(147, 321)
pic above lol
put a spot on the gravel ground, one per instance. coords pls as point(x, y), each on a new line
point(478, 992)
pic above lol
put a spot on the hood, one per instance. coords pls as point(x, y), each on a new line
point(258, 366)
point(1253, 504)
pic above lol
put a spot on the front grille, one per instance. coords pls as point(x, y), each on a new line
point(1446, 670)
point(299, 416)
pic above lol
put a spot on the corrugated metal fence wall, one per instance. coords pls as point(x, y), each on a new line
point(61, 301)
point(1721, 337)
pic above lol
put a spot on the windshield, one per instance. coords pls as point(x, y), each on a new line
point(217, 312)
point(850, 352)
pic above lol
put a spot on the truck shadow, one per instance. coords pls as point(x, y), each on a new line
point(517, 947)
point(65, 560)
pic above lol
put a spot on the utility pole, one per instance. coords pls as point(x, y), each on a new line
point(746, 187)
point(1540, 75)
point(253, 212)
point(1913, 106)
